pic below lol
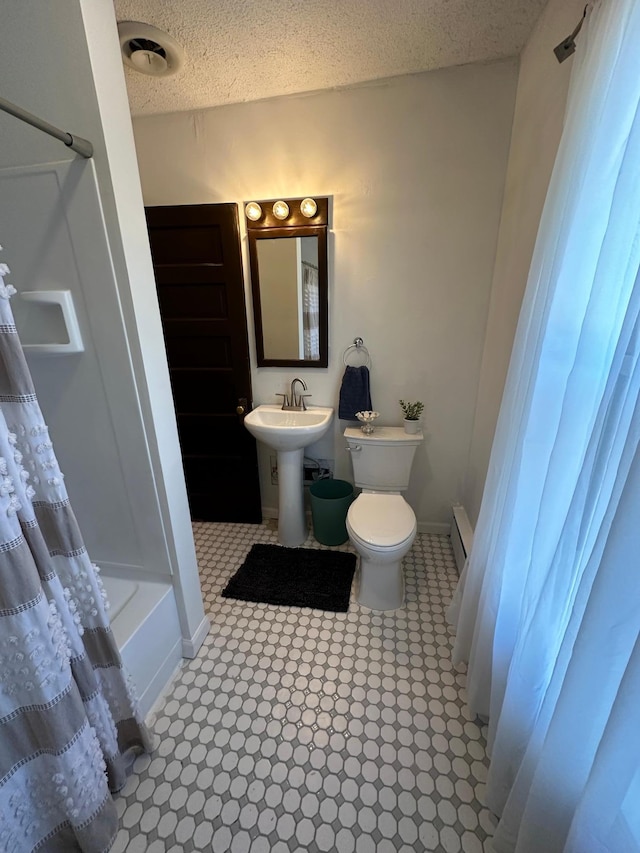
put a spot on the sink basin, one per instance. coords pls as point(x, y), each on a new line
point(282, 430)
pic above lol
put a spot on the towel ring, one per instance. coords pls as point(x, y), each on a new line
point(357, 347)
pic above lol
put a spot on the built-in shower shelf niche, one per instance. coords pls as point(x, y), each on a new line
point(47, 322)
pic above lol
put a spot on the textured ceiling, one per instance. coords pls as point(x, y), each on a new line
point(245, 50)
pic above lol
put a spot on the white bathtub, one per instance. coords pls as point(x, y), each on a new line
point(144, 621)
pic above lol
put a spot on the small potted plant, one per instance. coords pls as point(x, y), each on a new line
point(412, 413)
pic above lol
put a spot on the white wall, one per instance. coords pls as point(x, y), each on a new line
point(416, 168)
point(120, 463)
point(539, 112)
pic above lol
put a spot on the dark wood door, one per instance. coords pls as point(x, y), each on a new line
point(198, 269)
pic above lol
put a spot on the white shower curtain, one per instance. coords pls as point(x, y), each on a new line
point(68, 718)
point(547, 612)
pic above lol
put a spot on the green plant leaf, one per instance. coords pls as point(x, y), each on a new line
point(412, 411)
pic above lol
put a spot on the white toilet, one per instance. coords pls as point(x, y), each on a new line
point(380, 523)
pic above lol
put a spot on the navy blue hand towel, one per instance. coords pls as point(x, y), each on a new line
point(355, 395)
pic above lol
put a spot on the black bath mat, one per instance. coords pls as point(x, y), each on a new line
point(295, 577)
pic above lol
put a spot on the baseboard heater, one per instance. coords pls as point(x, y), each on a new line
point(461, 535)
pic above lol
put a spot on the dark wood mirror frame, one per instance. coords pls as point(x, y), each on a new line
point(296, 225)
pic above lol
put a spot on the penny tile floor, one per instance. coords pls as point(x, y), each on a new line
point(301, 730)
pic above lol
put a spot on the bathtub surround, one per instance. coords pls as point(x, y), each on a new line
point(300, 729)
point(415, 166)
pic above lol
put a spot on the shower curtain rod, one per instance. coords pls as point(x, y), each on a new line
point(76, 143)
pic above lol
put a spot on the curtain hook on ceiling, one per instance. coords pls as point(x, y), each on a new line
point(568, 46)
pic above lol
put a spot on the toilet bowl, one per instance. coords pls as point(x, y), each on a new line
point(381, 528)
point(380, 523)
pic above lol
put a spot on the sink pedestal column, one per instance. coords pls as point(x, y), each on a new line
point(292, 522)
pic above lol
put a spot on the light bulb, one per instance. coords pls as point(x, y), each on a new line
point(308, 207)
point(253, 211)
point(281, 210)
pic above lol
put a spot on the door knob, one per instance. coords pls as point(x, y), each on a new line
point(239, 410)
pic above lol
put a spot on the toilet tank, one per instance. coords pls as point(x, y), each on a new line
point(382, 461)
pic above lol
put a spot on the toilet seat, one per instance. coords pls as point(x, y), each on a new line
point(381, 521)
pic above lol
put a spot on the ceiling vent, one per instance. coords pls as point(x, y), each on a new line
point(149, 50)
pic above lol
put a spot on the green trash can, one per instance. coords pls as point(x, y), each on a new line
point(330, 501)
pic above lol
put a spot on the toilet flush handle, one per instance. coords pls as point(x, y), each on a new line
point(354, 449)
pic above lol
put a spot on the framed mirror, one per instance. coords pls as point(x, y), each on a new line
point(288, 264)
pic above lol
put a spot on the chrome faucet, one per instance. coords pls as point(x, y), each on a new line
point(290, 402)
point(298, 402)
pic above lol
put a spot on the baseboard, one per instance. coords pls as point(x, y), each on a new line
point(191, 647)
point(439, 528)
point(272, 512)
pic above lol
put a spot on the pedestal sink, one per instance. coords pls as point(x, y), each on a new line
point(288, 433)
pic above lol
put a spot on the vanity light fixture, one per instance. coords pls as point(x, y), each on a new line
point(281, 210)
point(308, 207)
point(253, 211)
